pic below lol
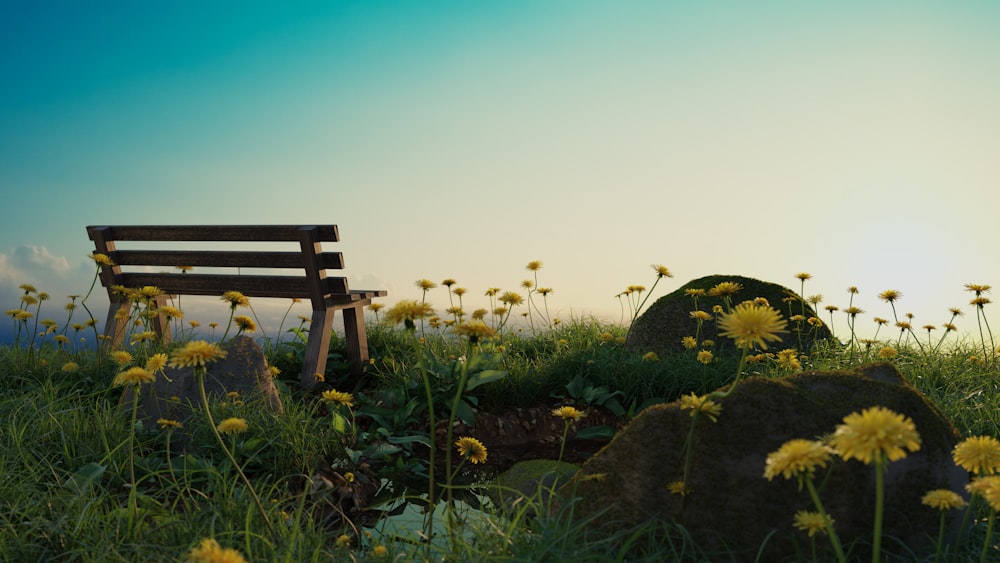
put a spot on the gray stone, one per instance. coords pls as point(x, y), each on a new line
point(731, 507)
point(668, 320)
point(175, 394)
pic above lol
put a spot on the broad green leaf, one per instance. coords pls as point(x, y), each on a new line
point(483, 377)
point(596, 433)
point(84, 478)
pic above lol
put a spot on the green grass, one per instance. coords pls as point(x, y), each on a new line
point(64, 449)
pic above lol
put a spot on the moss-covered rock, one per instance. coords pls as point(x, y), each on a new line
point(668, 320)
point(731, 504)
point(530, 482)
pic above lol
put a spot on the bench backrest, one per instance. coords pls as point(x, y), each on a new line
point(310, 261)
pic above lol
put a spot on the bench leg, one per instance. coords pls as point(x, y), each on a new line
point(317, 346)
point(160, 324)
point(356, 339)
point(116, 325)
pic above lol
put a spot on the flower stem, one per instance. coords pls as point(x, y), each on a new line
point(200, 373)
point(431, 435)
point(562, 445)
point(463, 376)
point(880, 468)
point(834, 540)
point(989, 536)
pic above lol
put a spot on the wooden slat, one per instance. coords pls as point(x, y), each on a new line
point(232, 233)
point(236, 259)
point(217, 284)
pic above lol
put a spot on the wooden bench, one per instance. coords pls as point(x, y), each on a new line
point(308, 264)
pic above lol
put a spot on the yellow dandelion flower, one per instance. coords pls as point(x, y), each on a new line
point(233, 426)
point(980, 301)
point(143, 336)
point(101, 259)
point(407, 311)
point(471, 449)
point(121, 357)
point(245, 323)
point(426, 284)
point(662, 271)
point(887, 353)
point(376, 307)
point(650, 357)
point(479, 314)
point(725, 288)
point(379, 551)
point(135, 375)
point(694, 292)
point(170, 312)
point(511, 298)
point(334, 396)
point(568, 413)
point(606, 337)
point(700, 315)
point(701, 404)
point(978, 288)
point(803, 276)
point(70, 367)
point(168, 424)
point(235, 299)
point(534, 265)
point(751, 324)
point(196, 354)
point(475, 330)
point(343, 540)
point(890, 295)
point(873, 433)
point(209, 551)
point(987, 487)
point(943, 499)
point(275, 371)
point(789, 359)
point(677, 488)
point(705, 356)
point(149, 291)
point(810, 522)
point(978, 454)
point(796, 458)
point(156, 362)
point(689, 342)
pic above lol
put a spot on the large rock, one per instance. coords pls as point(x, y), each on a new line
point(731, 504)
point(175, 394)
point(668, 320)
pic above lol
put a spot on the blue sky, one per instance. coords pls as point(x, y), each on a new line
point(856, 141)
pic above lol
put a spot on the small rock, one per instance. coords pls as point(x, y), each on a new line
point(175, 394)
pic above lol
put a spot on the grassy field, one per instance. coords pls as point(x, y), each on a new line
point(83, 480)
